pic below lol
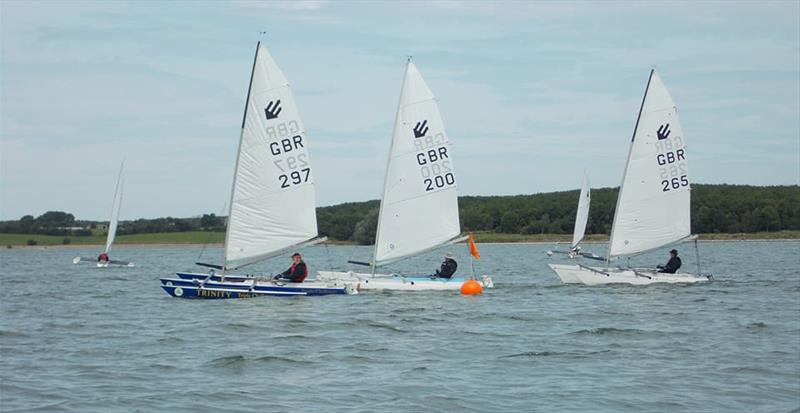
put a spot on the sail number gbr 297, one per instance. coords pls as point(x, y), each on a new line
point(671, 159)
point(289, 153)
point(432, 158)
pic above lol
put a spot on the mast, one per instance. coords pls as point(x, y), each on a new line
point(236, 165)
point(386, 174)
point(627, 162)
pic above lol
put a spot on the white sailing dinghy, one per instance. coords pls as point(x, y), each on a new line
point(272, 208)
point(419, 206)
point(581, 218)
point(653, 205)
point(112, 230)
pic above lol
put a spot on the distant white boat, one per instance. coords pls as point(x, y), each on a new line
point(103, 261)
point(653, 206)
point(419, 206)
point(273, 206)
point(581, 218)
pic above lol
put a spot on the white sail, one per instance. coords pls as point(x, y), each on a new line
point(112, 225)
point(653, 207)
point(582, 216)
point(419, 207)
point(272, 202)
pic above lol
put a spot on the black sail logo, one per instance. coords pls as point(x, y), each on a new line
point(421, 129)
point(663, 132)
point(273, 109)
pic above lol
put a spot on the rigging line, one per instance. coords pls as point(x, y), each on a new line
point(208, 237)
point(328, 253)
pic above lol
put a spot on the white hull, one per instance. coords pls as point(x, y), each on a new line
point(575, 274)
point(394, 282)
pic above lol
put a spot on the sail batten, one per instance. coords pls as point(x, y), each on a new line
point(419, 206)
point(653, 206)
point(273, 201)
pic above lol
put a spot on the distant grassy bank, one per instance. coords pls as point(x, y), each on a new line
point(204, 237)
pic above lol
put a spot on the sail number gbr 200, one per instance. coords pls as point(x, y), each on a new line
point(434, 163)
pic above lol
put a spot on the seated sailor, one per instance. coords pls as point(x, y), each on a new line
point(449, 266)
point(296, 273)
point(672, 265)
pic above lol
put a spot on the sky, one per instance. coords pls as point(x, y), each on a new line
point(531, 94)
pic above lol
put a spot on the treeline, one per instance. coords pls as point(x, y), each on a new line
point(715, 209)
point(62, 223)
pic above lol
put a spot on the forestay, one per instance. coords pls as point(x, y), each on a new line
point(419, 207)
point(112, 225)
point(272, 203)
point(653, 207)
point(582, 216)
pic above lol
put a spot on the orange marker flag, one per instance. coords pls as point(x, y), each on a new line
point(473, 249)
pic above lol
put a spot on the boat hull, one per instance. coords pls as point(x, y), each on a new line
point(575, 274)
point(252, 287)
point(395, 282)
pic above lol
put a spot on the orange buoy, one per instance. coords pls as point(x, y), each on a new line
point(471, 287)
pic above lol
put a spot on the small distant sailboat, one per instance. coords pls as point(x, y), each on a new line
point(653, 206)
point(581, 218)
point(419, 206)
point(103, 261)
point(273, 207)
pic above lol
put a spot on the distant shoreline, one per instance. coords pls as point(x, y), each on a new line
point(19, 241)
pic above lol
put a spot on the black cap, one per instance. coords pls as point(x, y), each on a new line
point(673, 252)
point(296, 254)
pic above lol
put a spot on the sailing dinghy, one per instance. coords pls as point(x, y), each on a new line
point(419, 206)
point(272, 208)
point(112, 230)
point(653, 205)
point(581, 218)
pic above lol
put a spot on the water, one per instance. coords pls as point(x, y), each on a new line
point(77, 338)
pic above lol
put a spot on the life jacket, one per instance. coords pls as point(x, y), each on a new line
point(302, 277)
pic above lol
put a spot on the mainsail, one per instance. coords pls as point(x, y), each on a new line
point(272, 202)
point(112, 225)
point(582, 216)
point(653, 207)
point(419, 207)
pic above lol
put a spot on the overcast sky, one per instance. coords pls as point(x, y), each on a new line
point(531, 93)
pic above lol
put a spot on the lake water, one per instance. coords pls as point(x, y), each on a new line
point(77, 338)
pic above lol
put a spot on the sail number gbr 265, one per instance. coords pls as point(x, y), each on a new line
point(287, 147)
point(671, 159)
point(432, 158)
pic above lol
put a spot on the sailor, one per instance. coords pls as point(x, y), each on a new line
point(672, 265)
point(296, 273)
point(449, 266)
point(103, 257)
point(574, 252)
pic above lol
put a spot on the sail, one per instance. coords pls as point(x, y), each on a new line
point(582, 216)
point(653, 208)
point(272, 202)
point(419, 208)
point(112, 225)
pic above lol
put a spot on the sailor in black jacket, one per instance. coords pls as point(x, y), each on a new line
point(672, 265)
point(449, 266)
